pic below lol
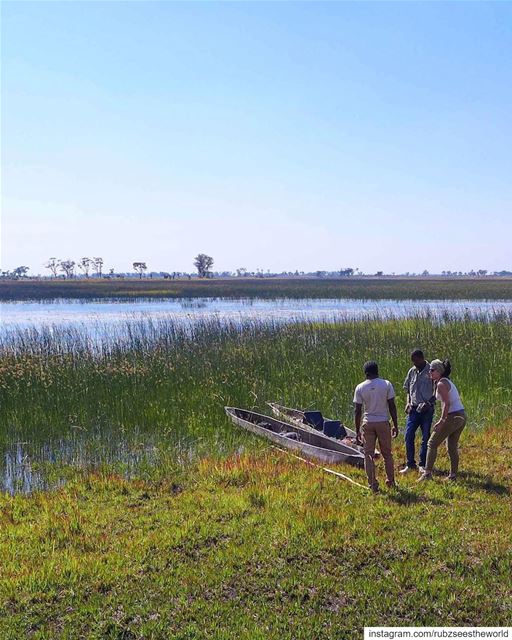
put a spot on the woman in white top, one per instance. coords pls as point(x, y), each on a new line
point(451, 423)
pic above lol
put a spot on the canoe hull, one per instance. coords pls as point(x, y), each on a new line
point(296, 417)
point(312, 444)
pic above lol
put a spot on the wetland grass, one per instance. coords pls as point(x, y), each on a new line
point(433, 288)
point(167, 378)
point(258, 546)
point(154, 398)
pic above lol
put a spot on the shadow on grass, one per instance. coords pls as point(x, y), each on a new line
point(483, 483)
point(406, 497)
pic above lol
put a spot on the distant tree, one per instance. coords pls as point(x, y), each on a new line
point(203, 264)
point(241, 272)
point(320, 274)
point(379, 273)
point(347, 272)
point(68, 267)
point(20, 272)
point(140, 267)
point(482, 272)
point(85, 265)
point(53, 265)
point(98, 265)
point(425, 273)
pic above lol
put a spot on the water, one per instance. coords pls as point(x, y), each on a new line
point(41, 464)
point(101, 318)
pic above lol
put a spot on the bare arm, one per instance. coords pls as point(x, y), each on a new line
point(358, 412)
point(443, 386)
point(407, 389)
point(394, 417)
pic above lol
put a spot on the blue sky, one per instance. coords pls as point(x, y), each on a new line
point(278, 136)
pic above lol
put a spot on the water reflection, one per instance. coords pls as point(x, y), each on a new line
point(39, 466)
point(105, 316)
point(18, 476)
point(44, 464)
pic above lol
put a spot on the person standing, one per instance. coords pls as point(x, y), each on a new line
point(451, 423)
point(419, 409)
point(377, 397)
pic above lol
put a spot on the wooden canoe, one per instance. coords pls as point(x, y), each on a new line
point(296, 417)
point(299, 438)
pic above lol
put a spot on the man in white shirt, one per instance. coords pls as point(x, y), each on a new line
point(377, 397)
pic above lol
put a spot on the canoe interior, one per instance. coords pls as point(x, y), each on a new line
point(305, 435)
point(298, 415)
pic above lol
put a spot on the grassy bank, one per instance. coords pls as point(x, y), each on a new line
point(362, 288)
point(157, 400)
point(259, 547)
point(218, 536)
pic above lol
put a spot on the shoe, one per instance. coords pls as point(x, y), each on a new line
point(450, 478)
point(392, 485)
point(421, 469)
point(375, 489)
point(424, 477)
point(406, 469)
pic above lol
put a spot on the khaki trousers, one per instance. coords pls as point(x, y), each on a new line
point(449, 431)
point(381, 431)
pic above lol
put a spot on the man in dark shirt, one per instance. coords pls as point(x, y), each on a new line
point(420, 409)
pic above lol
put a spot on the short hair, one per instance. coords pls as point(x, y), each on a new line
point(443, 366)
point(371, 368)
point(417, 353)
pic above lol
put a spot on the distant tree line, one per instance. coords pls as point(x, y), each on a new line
point(203, 263)
point(15, 274)
point(67, 267)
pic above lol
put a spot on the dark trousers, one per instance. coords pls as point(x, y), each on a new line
point(423, 421)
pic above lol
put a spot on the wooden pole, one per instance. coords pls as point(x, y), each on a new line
point(334, 473)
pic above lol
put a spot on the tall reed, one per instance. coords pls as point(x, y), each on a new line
point(165, 385)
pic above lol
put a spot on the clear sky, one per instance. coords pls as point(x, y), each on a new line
point(278, 136)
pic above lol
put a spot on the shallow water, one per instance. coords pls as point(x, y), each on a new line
point(43, 462)
point(105, 315)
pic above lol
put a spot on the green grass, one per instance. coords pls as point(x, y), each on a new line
point(259, 546)
point(361, 288)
